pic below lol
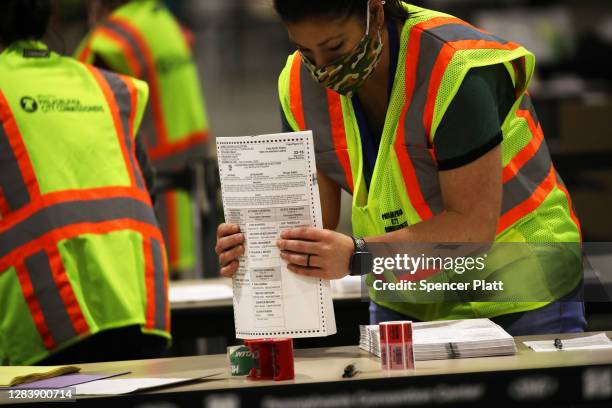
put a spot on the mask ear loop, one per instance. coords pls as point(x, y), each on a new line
point(368, 19)
point(368, 16)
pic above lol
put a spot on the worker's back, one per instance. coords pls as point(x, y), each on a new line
point(80, 249)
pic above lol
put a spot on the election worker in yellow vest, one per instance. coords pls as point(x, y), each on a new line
point(83, 271)
point(427, 121)
point(141, 38)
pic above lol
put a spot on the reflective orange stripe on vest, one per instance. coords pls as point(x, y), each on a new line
point(49, 295)
point(530, 176)
point(462, 36)
point(156, 276)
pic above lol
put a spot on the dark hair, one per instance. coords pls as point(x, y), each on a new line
point(298, 10)
point(23, 19)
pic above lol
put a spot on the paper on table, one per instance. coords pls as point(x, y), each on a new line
point(269, 184)
point(596, 342)
point(15, 375)
point(66, 380)
point(125, 385)
point(199, 292)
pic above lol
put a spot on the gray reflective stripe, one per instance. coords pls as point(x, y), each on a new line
point(160, 285)
point(149, 130)
point(530, 176)
point(49, 299)
point(161, 212)
point(12, 183)
point(317, 119)
point(527, 104)
point(461, 32)
point(73, 212)
point(124, 102)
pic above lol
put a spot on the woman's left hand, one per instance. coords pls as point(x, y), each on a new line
point(316, 252)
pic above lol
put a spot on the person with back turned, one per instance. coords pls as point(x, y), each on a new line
point(83, 271)
point(142, 38)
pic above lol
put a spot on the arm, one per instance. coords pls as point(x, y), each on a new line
point(472, 200)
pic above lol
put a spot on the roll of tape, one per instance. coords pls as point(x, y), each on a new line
point(241, 360)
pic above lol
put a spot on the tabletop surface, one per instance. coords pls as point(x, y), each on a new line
point(327, 364)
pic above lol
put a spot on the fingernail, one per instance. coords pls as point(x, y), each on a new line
point(283, 234)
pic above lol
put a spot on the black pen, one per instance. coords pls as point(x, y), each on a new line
point(350, 371)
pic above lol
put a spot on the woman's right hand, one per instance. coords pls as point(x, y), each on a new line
point(230, 245)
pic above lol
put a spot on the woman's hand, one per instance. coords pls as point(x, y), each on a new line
point(230, 245)
point(316, 252)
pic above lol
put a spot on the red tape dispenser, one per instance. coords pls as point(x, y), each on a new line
point(275, 357)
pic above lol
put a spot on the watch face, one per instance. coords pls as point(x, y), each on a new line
point(361, 263)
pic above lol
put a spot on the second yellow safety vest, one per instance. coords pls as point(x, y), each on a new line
point(143, 39)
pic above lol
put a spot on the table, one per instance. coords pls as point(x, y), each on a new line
point(565, 378)
point(215, 318)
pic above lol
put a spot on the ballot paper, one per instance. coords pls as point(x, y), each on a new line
point(269, 185)
point(449, 339)
point(596, 342)
point(198, 292)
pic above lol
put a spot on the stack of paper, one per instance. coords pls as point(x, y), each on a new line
point(449, 339)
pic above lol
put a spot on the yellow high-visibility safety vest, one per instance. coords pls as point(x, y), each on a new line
point(436, 52)
point(143, 39)
point(80, 247)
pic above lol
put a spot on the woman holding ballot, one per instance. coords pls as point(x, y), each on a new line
point(427, 122)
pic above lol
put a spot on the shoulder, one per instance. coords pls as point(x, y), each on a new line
point(286, 72)
point(287, 75)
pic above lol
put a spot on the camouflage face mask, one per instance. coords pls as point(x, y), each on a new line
point(349, 72)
